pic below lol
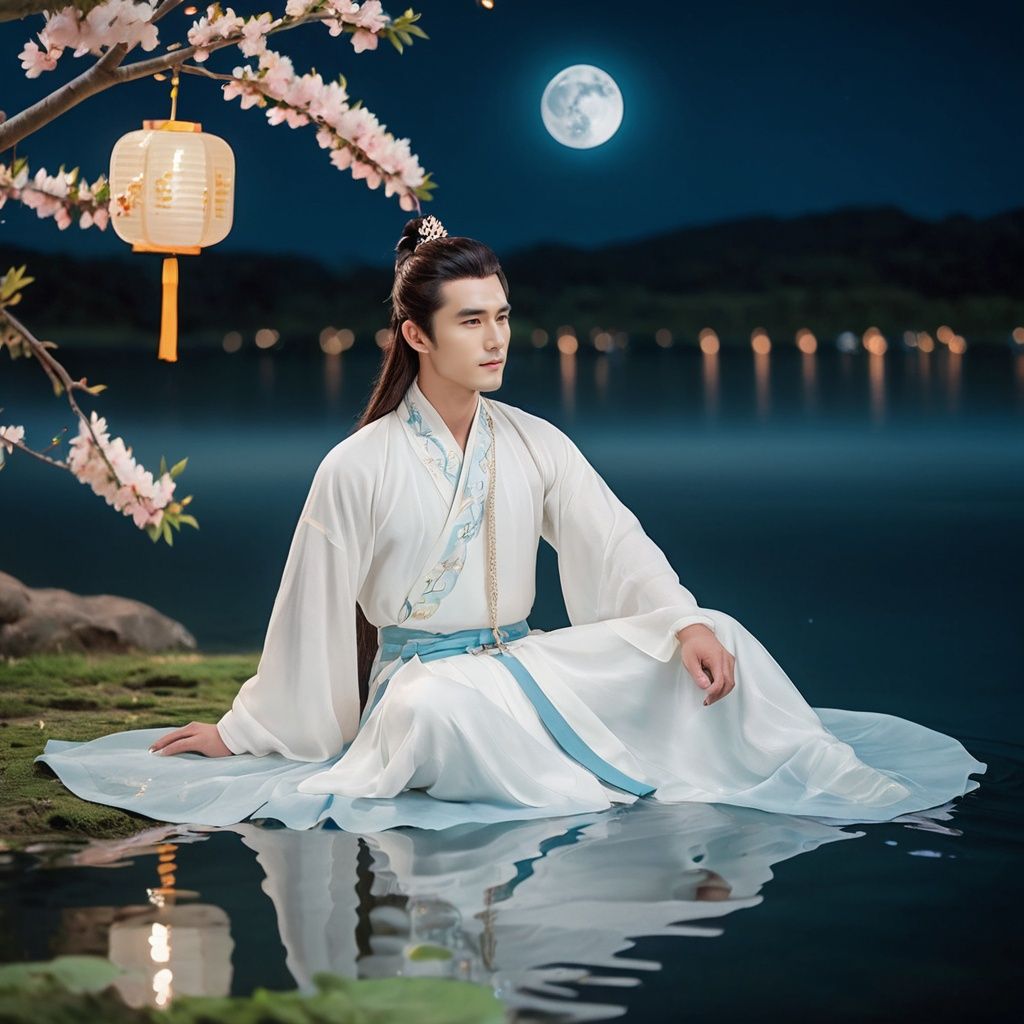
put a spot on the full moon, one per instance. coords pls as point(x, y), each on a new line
point(582, 106)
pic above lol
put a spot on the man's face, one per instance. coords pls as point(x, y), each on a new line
point(470, 329)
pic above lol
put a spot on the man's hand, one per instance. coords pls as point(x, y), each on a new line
point(196, 736)
point(710, 664)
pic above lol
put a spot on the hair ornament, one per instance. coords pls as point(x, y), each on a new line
point(429, 229)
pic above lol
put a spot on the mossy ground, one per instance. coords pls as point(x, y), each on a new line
point(80, 697)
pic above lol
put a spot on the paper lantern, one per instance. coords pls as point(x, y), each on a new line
point(172, 189)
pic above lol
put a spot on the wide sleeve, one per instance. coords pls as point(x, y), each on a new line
point(610, 569)
point(303, 701)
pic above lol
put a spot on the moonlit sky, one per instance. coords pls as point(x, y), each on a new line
point(731, 109)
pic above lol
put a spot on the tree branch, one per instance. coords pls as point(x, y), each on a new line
point(99, 77)
point(141, 68)
point(53, 367)
point(107, 72)
point(165, 8)
point(15, 10)
point(39, 455)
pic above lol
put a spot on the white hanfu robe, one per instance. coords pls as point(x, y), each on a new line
point(395, 521)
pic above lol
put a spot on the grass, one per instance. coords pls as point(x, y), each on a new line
point(80, 697)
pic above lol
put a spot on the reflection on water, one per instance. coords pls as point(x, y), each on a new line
point(531, 909)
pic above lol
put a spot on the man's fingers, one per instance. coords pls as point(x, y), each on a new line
point(696, 669)
point(176, 734)
point(718, 690)
point(181, 746)
point(726, 679)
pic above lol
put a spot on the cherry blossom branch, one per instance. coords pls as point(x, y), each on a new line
point(166, 61)
point(55, 370)
point(353, 134)
point(107, 466)
point(366, 22)
point(8, 440)
point(62, 196)
point(95, 80)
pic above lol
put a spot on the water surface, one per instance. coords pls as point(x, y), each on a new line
point(860, 515)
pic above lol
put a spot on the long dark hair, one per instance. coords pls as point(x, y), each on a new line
point(420, 270)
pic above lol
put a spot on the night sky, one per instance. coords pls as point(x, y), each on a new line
point(731, 109)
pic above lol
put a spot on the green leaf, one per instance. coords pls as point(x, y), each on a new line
point(190, 520)
point(422, 1000)
point(163, 465)
point(35, 992)
point(426, 951)
point(394, 41)
point(75, 973)
point(178, 467)
point(12, 282)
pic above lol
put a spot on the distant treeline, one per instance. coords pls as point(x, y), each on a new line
point(848, 269)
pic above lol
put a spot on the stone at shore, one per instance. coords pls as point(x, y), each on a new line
point(36, 620)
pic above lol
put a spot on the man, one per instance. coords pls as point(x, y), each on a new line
point(400, 682)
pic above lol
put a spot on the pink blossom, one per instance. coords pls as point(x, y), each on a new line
point(354, 136)
point(34, 60)
point(201, 33)
point(371, 16)
point(284, 114)
point(364, 40)
point(62, 28)
point(228, 24)
point(254, 34)
point(133, 491)
point(361, 169)
point(56, 196)
point(9, 436)
point(341, 157)
point(107, 24)
point(250, 96)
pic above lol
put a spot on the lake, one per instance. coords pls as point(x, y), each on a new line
point(860, 514)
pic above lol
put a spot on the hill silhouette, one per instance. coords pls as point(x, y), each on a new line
point(845, 269)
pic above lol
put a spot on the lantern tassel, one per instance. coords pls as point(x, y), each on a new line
point(169, 314)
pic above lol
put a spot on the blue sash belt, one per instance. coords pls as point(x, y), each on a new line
point(402, 643)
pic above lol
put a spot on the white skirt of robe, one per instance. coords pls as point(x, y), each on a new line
point(461, 728)
point(456, 740)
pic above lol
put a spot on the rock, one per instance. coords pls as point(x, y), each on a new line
point(46, 619)
point(14, 599)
